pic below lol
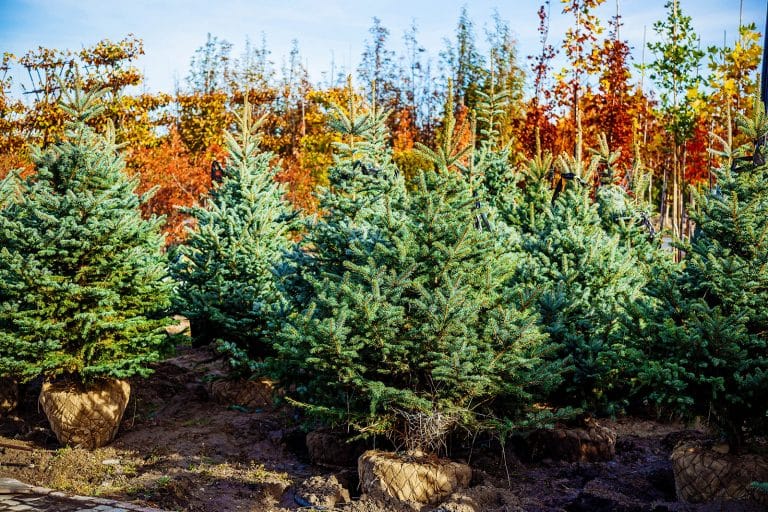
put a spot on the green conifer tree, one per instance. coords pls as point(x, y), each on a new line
point(584, 278)
point(407, 322)
point(83, 283)
point(225, 268)
point(707, 342)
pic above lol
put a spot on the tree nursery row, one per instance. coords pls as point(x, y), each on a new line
point(470, 284)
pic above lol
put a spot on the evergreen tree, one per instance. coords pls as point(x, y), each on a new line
point(584, 279)
point(378, 69)
point(709, 355)
point(623, 211)
point(225, 269)
point(83, 283)
point(407, 319)
point(463, 63)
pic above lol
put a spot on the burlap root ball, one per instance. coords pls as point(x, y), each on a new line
point(593, 443)
point(413, 478)
point(703, 474)
point(334, 449)
point(251, 394)
point(9, 395)
point(85, 416)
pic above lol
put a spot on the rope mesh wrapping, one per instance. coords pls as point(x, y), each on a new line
point(410, 477)
point(702, 474)
point(251, 394)
point(85, 417)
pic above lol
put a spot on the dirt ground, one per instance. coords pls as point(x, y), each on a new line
point(180, 449)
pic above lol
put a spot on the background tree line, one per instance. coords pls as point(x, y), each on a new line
point(682, 93)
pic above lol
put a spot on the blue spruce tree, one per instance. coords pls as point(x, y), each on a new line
point(225, 268)
point(83, 284)
point(406, 320)
point(706, 339)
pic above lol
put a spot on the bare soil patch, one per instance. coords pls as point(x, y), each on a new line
point(179, 448)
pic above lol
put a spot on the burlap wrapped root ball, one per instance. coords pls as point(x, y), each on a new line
point(413, 478)
point(85, 416)
point(703, 474)
point(251, 394)
point(592, 443)
point(9, 395)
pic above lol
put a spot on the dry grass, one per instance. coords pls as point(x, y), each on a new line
point(82, 471)
point(252, 473)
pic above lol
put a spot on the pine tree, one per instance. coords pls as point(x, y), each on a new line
point(406, 320)
point(83, 283)
point(709, 356)
point(225, 269)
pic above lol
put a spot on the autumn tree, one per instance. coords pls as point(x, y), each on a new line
point(504, 82)
point(573, 81)
point(675, 73)
point(180, 180)
point(12, 143)
point(203, 106)
point(378, 71)
point(302, 122)
point(418, 88)
point(613, 105)
point(537, 132)
point(733, 81)
point(107, 66)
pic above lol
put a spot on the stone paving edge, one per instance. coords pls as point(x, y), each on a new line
point(11, 486)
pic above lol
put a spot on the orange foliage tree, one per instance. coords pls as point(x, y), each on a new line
point(178, 178)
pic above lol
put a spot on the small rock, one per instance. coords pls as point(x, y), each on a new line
point(111, 462)
point(11, 486)
point(482, 498)
point(274, 488)
point(325, 492)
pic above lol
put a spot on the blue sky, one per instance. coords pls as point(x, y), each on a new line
point(173, 29)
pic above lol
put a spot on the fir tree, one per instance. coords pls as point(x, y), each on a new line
point(407, 317)
point(584, 278)
point(463, 63)
point(83, 283)
point(709, 355)
point(225, 269)
point(622, 209)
